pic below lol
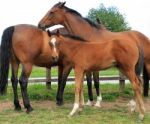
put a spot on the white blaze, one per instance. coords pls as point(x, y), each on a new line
point(53, 41)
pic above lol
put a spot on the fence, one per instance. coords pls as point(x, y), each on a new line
point(54, 79)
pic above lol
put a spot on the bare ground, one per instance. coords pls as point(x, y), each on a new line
point(45, 104)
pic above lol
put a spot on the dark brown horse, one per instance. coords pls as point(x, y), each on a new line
point(127, 56)
point(26, 45)
point(78, 25)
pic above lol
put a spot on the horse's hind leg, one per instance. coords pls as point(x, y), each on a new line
point(89, 85)
point(62, 78)
point(98, 92)
point(14, 80)
point(137, 91)
point(26, 70)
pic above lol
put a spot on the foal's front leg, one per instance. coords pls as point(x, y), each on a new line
point(79, 75)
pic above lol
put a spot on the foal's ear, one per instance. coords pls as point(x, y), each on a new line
point(49, 33)
point(62, 4)
point(57, 33)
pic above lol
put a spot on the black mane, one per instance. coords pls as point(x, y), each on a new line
point(93, 24)
point(73, 11)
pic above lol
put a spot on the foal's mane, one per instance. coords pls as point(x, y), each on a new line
point(74, 37)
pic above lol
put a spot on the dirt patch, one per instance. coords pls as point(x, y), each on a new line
point(120, 102)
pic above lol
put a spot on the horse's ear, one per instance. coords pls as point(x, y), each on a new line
point(62, 4)
point(58, 32)
point(49, 33)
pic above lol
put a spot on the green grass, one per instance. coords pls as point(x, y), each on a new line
point(58, 115)
point(41, 72)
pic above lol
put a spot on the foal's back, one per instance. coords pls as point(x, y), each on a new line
point(102, 55)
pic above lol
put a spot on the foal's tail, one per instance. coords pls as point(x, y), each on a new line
point(140, 63)
point(6, 45)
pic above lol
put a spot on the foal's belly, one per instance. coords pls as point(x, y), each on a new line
point(101, 65)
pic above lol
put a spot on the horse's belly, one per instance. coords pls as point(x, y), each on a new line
point(44, 61)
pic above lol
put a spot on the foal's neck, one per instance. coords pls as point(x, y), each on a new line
point(69, 46)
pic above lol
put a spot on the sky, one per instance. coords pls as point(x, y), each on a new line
point(14, 12)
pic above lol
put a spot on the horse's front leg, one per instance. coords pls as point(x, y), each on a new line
point(62, 78)
point(79, 75)
point(23, 83)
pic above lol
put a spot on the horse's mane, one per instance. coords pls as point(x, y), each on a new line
point(92, 23)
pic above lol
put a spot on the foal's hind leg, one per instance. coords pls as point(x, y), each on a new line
point(89, 85)
point(96, 84)
point(137, 91)
point(14, 81)
point(27, 67)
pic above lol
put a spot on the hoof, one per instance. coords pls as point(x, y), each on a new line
point(89, 103)
point(97, 105)
point(30, 109)
point(59, 103)
point(141, 117)
point(18, 108)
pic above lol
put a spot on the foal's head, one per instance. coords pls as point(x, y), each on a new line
point(54, 16)
point(54, 43)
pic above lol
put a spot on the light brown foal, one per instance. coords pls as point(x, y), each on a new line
point(95, 56)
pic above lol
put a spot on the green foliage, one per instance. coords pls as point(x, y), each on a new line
point(110, 17)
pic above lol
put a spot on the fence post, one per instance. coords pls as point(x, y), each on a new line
point(48, 78)
point(121, 82)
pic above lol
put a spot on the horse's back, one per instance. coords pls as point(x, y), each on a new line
point(29, 43)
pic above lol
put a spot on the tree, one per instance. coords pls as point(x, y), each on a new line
point(110, 17)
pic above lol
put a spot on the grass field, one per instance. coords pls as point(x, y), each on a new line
point(41, 72)
point(113, 110)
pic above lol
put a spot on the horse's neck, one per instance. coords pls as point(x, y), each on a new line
point(79, 26)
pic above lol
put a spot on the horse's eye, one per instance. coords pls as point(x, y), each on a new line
point(51, 13)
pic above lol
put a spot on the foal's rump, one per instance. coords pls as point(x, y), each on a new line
point(130, 52)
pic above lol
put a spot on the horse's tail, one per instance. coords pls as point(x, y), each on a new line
point(140, 63)
point(6, 45)
point(146, 81)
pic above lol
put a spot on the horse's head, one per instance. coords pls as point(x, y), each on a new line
point(54, 16)
point(54, 44)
